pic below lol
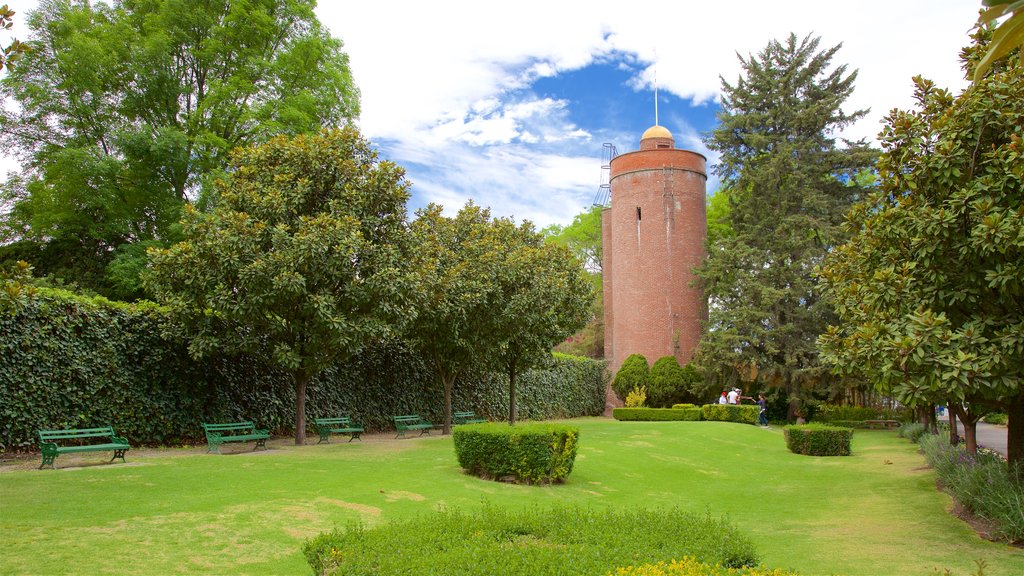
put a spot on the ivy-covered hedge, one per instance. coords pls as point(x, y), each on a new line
point(73, 362)
point(818, 440)
point(533, 453)
point(730, 413)
point(656, 414)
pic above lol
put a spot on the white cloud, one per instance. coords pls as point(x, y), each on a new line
point(425, 68)
point(442, 82)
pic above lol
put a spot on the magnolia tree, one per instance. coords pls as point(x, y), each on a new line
point(490, 293)
point(930, 287)
point(303, 257)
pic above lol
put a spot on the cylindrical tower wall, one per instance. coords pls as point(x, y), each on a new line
point(655, 237)
point(607, 261)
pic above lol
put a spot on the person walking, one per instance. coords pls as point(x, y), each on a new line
point(762, 415)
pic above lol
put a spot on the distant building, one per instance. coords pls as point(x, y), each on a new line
point(653, 236)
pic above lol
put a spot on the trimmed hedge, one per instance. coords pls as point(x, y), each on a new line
point(72, 362)
point(730, 413)
point(818, 439)
point(495, 541)
point(656, 414)
point(534, 453)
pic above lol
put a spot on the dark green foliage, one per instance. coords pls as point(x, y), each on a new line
point(657, 414)
point(669, 383)
point(72, 362)
point(789, 184)
point(730, 413)
point(633, 373)
point(532, 453)
point(818, 440)
point(981, 483)
point(929, 288)
point(498, 542)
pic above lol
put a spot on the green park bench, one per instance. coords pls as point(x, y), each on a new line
point(48, 443)
point(342, 425)
point(411, 422)
point(217, 434)
point(468, 417)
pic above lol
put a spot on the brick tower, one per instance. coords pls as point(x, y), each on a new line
point(653, 236)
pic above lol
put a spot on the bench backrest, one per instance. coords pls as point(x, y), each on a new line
point(463, 414)
point(343, 421)
point(407, 419)
point(55, 435)
point(243, 427)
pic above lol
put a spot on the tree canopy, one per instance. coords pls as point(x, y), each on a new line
point(128, 111)
point(788, 185)
point(930, 287)
point(489, 293)
point(303, 257)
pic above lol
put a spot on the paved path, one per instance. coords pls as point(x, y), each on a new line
point(989, 436)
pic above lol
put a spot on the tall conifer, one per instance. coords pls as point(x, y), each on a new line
point(790, 184)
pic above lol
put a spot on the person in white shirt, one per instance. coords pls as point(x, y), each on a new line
point(734, 396)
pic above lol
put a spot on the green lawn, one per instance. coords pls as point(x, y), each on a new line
point(182, 511)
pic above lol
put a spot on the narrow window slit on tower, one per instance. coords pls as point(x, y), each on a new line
point(638, 213)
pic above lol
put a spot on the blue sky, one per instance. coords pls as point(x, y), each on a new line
point(508, 104)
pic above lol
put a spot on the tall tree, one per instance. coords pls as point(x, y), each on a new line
point(543, 295)
point(303, 257)
point(128, 111)
point(455, 263)
point(789, 185)
point(930, 287)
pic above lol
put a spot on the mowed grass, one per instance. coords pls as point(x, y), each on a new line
point(181, 511)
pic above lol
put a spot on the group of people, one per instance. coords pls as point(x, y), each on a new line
point(735, 396)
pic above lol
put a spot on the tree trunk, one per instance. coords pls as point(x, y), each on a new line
point(511, 393)
point(1015, 435)
point(954, 433)
point(970, 422)
point(301, 380)
point(449, 383)
point(933, 420)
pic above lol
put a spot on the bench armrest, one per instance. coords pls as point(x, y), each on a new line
point(119, 440)
point(261, 431)
point(48, 447)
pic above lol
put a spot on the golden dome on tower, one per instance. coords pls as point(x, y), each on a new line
point(656, 132)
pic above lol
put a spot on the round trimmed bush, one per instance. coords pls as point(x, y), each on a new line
point(632, 374)
point(666, 384)
point(818, 440)
point(532, 453)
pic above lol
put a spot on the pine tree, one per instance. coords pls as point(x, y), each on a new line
point(789, 184)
